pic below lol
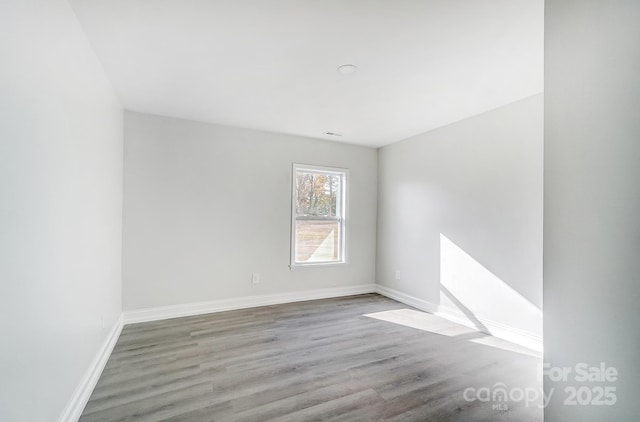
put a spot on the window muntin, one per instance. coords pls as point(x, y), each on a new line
point(318, 215)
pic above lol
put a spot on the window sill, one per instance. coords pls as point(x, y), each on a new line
point(296, 267)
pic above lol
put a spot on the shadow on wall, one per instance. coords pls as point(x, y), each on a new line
point(460, 306)
point(474, 295)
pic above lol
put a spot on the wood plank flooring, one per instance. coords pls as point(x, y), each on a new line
point(357, 358)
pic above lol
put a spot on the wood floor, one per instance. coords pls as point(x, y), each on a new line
point(358, 358)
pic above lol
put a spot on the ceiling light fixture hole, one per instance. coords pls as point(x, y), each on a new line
point(347, 69)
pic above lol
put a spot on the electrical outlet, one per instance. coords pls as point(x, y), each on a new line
point(255, 278)
point(397, 274)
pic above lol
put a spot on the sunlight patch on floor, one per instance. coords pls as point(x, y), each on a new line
point(421, 321)
point(434, 324)
point(505, 345)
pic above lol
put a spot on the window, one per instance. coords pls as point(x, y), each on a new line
point(319, 196)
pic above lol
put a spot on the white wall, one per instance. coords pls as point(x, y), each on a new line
point(60, 208)
point(460, 217)
point(592, 199)
point(206, 205)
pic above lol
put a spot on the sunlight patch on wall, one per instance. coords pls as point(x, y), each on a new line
point(472, 293)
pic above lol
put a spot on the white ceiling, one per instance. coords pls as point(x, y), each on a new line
point(271, 64)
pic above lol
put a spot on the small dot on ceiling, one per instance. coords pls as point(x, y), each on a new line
point(347, 69)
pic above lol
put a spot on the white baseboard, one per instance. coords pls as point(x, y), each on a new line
point(496, 329)
point(188, 309)
point(407, 299)
point(80, 397)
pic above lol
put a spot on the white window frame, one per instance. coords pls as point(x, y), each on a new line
point(342, 207)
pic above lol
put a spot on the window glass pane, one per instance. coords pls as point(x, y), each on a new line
point(317, 241)
point(317, 194)
point(318, 226)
